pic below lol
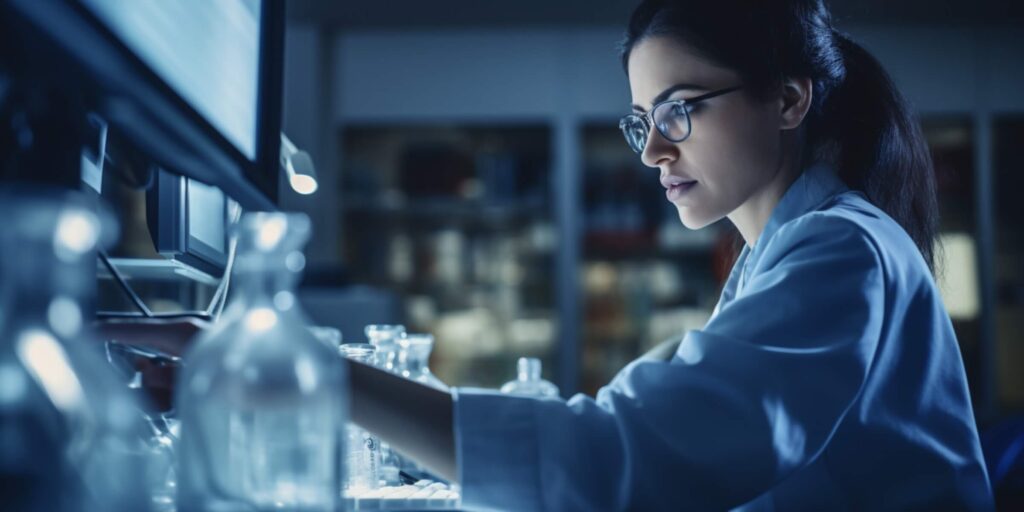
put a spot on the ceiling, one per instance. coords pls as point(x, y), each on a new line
point(384, 14)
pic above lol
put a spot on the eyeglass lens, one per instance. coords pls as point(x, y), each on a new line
point(672, 120)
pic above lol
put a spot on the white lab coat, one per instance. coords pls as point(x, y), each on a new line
point(828, 378)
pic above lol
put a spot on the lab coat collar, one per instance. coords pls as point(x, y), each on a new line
point(814, 186)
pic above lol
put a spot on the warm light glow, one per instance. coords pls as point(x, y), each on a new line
point(303, 184)
point(272, 231)
point(46, 360)
point(261, 319)
point(958, 280)
point(77, 233)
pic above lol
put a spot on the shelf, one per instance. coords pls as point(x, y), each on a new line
point(156, 270)
point(646, 253)
point(447, 210)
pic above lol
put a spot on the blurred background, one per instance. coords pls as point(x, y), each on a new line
point(474, 183)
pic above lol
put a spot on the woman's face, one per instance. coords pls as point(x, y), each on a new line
point(734, 148)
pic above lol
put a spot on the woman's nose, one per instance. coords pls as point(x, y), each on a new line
point(658, 149)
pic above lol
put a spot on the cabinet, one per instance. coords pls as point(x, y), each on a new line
point(645, 277)
point(460, 221)
point(1008, 182)
point(456, 219)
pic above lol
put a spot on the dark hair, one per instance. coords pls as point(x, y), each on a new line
point(858, 121)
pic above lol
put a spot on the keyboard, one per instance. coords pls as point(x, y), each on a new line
point(423, 495)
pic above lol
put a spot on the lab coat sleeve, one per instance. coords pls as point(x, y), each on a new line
point(746, 401)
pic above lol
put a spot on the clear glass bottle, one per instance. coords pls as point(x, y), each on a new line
point(414, 358)
point(529, 382)
point(262, 402)
point(363, 458)
point(73, 434)
point(385, 338)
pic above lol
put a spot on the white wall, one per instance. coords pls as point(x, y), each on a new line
point(475, 74)
point(550, 72)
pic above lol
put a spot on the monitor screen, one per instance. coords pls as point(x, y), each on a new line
point(187, 221)
point(207, 51)
point(206, 215)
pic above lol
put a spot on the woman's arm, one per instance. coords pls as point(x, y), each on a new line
point(415, 419)
point(743, 403)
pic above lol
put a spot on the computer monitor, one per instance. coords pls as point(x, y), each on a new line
point(187, 221)
point(194, 84)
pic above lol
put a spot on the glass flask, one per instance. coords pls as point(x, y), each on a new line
point(414, 357)
point(385, 339)
point(529, 382)
point(71, 434)
point(363, 458)
point(262, 402)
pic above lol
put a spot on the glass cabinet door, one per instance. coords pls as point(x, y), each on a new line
point(951, 143)
point(1009, 262)
point(645, 277)
point(457, 221)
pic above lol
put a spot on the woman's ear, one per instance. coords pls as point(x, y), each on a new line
point(797, 94)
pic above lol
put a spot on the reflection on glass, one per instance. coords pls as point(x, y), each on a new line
point(261, 400)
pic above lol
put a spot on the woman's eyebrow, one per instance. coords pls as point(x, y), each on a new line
point(668, 92)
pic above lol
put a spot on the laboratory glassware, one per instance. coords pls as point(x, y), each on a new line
point(414, 358)
point(528, 380)
point(262, 402)
point(385, 338)
point(363, 458)
point(72, 432)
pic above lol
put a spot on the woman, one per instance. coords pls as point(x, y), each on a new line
point(828, 377)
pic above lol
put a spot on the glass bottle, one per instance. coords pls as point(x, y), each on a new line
point(529, 382)
point(71, 431)
point(363, 459)
point(385, 339)
point(414, 358)
point(262, 402)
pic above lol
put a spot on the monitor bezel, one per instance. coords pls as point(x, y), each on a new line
point(118, 85)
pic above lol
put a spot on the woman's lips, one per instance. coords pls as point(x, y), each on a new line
point(675, 191)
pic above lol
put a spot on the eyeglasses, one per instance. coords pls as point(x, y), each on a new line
point(672, 117)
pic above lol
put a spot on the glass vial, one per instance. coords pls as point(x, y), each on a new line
point(385, 338)
point(414, 358)
point(529, 382)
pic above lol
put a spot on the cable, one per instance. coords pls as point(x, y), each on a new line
point(134, 297)
point(220, 297)
point(201, 315)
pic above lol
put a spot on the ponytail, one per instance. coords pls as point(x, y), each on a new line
point(880, 148)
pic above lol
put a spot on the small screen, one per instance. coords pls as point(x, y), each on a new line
point(206, 50)
point(206, 215)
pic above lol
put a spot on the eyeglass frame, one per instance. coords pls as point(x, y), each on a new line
point(647, 118)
